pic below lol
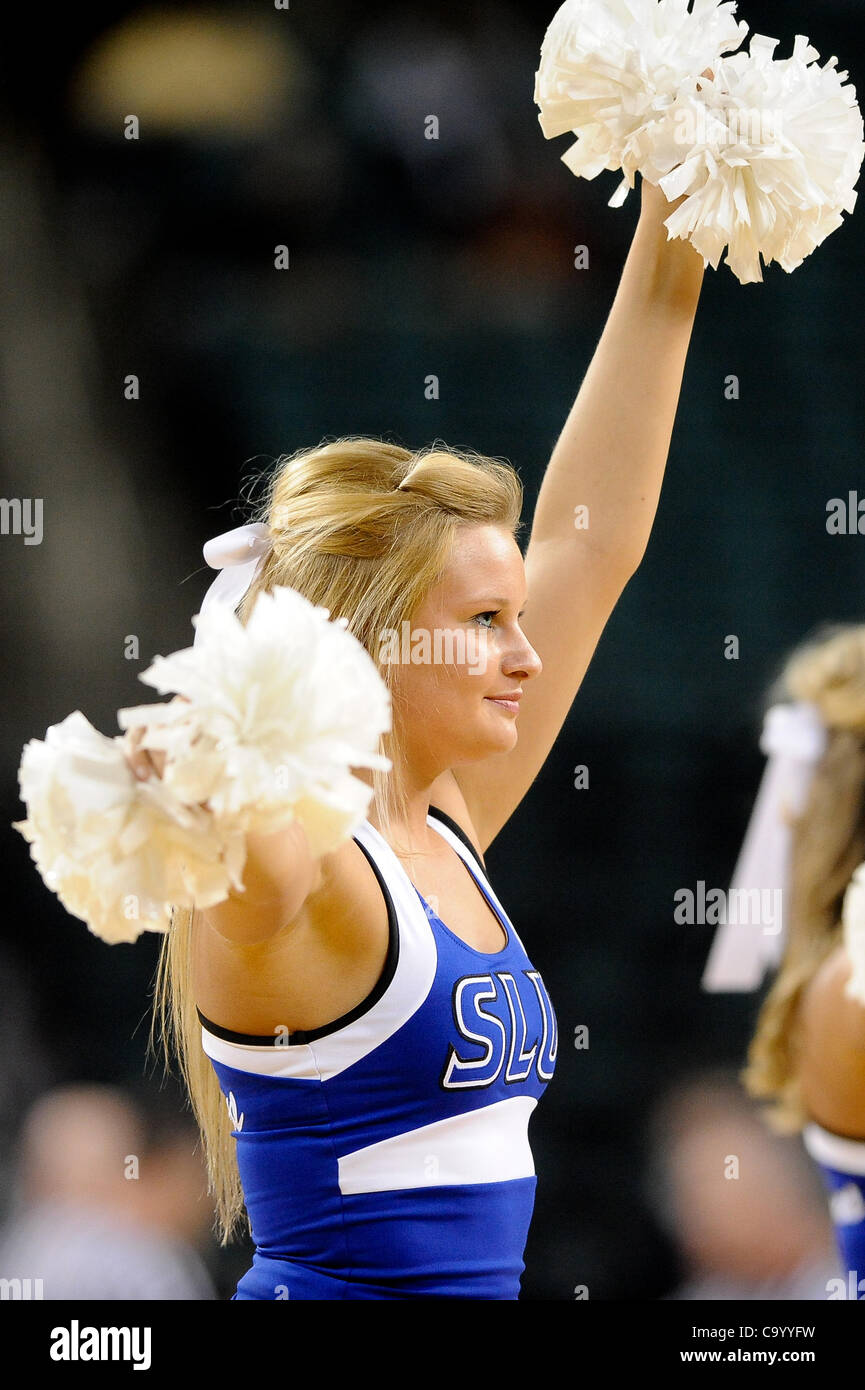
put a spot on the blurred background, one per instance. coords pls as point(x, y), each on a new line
point(154, 361)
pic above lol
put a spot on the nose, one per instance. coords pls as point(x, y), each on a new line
point(524, 662)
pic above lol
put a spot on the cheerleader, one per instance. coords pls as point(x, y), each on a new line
point(363, 1034)
point(807, 1055)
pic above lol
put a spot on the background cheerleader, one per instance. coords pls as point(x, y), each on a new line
point(808, 1051)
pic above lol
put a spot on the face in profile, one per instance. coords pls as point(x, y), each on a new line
point(467, 647)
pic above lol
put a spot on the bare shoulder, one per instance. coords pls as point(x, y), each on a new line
point(347, 898)
point(319, 968)
point(831, 1043)
point(827, 1010)
point(326, 960)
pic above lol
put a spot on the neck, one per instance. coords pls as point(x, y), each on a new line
point(408, 833)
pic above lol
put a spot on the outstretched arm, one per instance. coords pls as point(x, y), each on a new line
point(612, 452)
point(609, 460)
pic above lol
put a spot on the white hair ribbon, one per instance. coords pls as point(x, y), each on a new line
point(794, 739)
point(237, 555)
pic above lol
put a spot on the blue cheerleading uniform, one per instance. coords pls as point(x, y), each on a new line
point(842, 1166)
point(386, 1155)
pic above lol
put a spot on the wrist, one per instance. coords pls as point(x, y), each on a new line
point(672, 270)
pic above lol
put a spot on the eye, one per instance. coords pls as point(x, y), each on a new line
point(490, 613)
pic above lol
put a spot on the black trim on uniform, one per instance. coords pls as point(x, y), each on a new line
point(378, 989)
point(458, 831)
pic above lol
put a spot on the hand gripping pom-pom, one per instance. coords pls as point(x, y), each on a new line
point(273, 718)
point(116, 851)
point(765, 153)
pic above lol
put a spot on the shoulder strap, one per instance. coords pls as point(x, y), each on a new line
point(838, 1151)
point(459, 832)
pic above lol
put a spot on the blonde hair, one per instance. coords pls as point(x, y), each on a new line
point(827, 845)
point(366, 529)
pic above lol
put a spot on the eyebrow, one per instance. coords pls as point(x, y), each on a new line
point(502, 602)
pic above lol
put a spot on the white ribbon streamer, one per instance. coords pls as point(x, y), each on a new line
point(794, 739)
point(237, 555)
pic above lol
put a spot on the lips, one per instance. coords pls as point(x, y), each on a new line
point(509, 702)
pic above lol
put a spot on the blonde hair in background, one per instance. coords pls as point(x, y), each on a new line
point(828, 843)
point(366, 529)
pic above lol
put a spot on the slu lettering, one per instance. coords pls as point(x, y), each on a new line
point(494, 1013)
point(512, 995)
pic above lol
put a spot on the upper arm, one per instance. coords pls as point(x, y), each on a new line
point(572, 590)
point(279, 874)
point(832, 1049)
point(828, 1012)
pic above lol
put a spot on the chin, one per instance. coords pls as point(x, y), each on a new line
point(508, 734)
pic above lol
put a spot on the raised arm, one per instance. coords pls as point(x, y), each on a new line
point(610, 461)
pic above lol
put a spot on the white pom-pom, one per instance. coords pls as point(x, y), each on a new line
point(854, 934)
point(278, 712)
point(766, 152)
point(116, 851)
point(273, 718)
point(609, 68)
point(774, 149)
